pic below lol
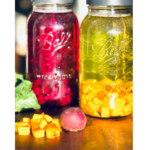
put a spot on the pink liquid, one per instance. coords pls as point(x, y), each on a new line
point(52, 57)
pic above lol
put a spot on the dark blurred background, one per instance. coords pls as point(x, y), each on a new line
point(22, 10)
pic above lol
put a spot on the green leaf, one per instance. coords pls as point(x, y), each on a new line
point(27, 102)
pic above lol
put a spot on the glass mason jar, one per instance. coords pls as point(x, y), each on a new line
point(106, 59)
point(52, 56)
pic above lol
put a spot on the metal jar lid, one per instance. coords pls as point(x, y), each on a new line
point(53, 1)
point(109, 2)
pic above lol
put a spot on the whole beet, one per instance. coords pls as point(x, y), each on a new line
point(73, 119)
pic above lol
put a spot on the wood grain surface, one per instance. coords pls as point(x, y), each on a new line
point(99, 134)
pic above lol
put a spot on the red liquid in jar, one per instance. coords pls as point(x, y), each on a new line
point(52, 57)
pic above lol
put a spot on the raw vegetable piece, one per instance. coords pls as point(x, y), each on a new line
point(104, 112)
point(130, 89)
point(107, 82)
point(23, 130)
point(52, 131)
point(28, 101)
point(48, 118)
point(57, 123)
point(73, 119)
point(35, 126)
point(16, 126)
point(95, 113)
point(105, 102)
point(87, 89)
point(96, 101)
point(129, 97)
point(93, 106)
point(122, 93)
point(119, 102)
point(88, 110)
point(37, 116)
point(38, 133)
point(18, 76)
point(91, 95)
point(25, 119)
point(126, 109)
point(90, 81)
point(101, 95)
point(43, 123)
point(131, 104)
point(83, 99)
point(116, 112)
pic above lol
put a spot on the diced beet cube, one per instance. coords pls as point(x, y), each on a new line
point(37, 90)
point(41, 99)
point(68, 99)
point(61, 102)
point(46, 90)
point(38, 82)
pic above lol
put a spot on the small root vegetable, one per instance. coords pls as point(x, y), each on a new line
point(73, 119)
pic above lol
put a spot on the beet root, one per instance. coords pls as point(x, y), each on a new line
point(73, 119)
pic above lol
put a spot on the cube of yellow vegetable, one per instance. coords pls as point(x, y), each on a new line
point(105, 102)
point(25, 119)
point(100, 95)
point(43, 123)
point(104, 112)
point(96, 101)
point(16, 126)
point(93, 106)
point(83, 99)
point(86, 89)
point(116, 112)
point(52, 131)
point(38, 133)
point(119, 102)
point(107, 82)
point(91, 95)
point(131, 104)
point(57, 123)
point(90, 81)
point(48, 118)
point(35, 126)
point(37, 116)
point(95, 113)
point(126, 109)
point(23, 130)
point(129, 97)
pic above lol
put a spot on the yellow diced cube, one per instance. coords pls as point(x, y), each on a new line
point(105, 102)
point(90, 81)
point(107, 82)
point(23, 130)
point(129, 97)
point(93, 106)
point(57, 123)
point(48, 118)
point(16, 126)
point(95, 113)
point(37, 116)
point(96, 101)
point(131, 104)
point(104, 112)
point(52, 131)
point(25, 119)
point(116, 112)
point(83, 99)
point(91, 95)
point(119, 102)
point(86, 89)
point(126, 109)
point(43, 123)
point(38, 133)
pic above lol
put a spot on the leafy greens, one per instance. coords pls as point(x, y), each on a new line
point(24, 96)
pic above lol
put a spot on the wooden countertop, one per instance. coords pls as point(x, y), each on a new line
point(99, 134)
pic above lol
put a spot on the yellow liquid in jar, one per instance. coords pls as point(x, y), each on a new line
point(106, 66)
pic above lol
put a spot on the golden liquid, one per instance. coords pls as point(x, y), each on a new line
point(106, 52)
